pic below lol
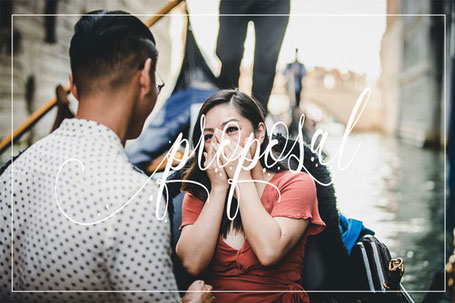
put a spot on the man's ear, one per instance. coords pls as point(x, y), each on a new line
point(144, 78)
point(260, 132)
point(73, 88)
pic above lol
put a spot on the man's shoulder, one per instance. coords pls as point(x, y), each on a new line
point(8, 163)
point(32, 150)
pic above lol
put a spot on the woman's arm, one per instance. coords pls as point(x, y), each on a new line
point(197, 242)
point(270, 238)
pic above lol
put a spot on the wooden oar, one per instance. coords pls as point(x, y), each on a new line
point(155, 164)
point(63, 107)
point(37, 115)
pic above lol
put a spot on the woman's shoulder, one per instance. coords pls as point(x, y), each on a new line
point(288, 177)
point(191, 198)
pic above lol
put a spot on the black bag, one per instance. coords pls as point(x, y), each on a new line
point(373, 267)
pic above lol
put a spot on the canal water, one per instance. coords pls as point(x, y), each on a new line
point(398, 191)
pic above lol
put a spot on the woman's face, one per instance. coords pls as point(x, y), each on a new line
point(237, 128)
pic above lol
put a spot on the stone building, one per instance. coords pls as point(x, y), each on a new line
point(411, 82)
point(39, 48)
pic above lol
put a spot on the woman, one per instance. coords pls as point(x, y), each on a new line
point(262, 249)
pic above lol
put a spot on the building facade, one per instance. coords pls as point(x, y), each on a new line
point(34, 54)
point(412, 78)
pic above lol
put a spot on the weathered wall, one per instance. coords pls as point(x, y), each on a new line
point(41, 66)
point(411, 82)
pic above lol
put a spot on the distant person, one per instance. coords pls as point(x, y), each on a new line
point(269, 31)
point(295, 72)
point(55, 248)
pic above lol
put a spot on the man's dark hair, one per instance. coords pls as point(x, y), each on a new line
point(107, 48)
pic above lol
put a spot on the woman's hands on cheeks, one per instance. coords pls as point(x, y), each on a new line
point(230, 157)
point(217, 174)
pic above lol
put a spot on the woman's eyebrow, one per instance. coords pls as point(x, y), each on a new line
point(231, 120)
point(222, 124)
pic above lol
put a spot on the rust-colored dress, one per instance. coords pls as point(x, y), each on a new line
point(240, 270)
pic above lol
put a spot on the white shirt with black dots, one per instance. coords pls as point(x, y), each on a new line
point(125, 258)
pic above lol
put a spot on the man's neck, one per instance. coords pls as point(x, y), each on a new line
point(113, 112)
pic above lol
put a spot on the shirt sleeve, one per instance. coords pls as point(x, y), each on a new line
point(139, 252)
point(299, 201)
point(191, 208)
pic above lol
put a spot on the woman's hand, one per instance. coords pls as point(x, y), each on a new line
point(230, 157)
point(216, 174)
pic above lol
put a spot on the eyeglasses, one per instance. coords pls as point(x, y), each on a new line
point(159, 86)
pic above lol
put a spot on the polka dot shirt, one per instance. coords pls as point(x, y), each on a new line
point(57, 249)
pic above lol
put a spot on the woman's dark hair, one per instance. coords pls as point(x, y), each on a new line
point(109, 46)
point(248, 108)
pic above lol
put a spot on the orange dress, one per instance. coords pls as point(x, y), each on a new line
point(237, 275)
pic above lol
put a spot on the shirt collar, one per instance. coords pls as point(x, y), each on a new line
point(88, 128)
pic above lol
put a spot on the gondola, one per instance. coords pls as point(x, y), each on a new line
point(327, 261)
point(325, 269)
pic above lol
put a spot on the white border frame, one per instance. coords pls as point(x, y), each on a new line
point(259, 291)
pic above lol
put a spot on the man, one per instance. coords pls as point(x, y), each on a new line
point(82, 218)
point(269, 32)
point(295, 72)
